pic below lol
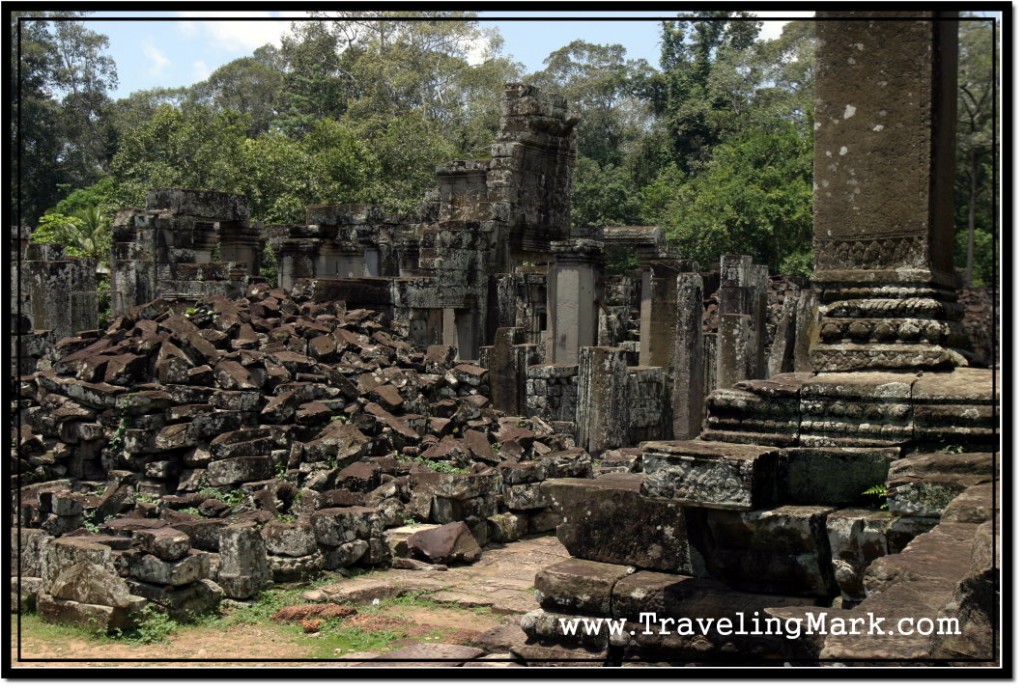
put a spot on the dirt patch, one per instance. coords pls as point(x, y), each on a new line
point(300, 612)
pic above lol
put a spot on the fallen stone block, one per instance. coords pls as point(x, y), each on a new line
point(710, 474)
point(507, 527)
point(151, 569)
point(595, 511)
point(244, 571)
point(446, 544)
point(167, 544)
point(335, 527)
point(578, 586)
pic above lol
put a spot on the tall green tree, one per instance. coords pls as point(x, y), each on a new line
point(697, 116)
point(60, 97)
point(750, 192)
point(250, 85)
point(976, 91)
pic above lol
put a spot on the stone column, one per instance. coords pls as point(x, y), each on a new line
point(885, 110)
point(688, 358)
point(658, 313)
point(573, 283)
point(62, 291)
point(602, 412)
point(742, 309)
point(507, 366)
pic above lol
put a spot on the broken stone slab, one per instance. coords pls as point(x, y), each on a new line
point(233, 376)
point(782, 550)
point(595, 510)
point(425, 655)
point(87, 616)
point(957, 408)
point(973, 603)
point(358, 477)
point(546, 654)
point(182, 603)
point(940, 556)
point(977, 504)
point(242, 442)
point(335, 558)
point(458, 487)
point(335, 527)
point(151, 569)
point(445, 544)
point(339, 442)
point(924, 484)
point(232, 471)
point(289, 539)
point(710, 474)
point(591, 632)
point(65, 552)
point(167, 544)
point(32, 547)
point(398, 538)
point(500, 639)
point(525, 497)
point(832, 475)
point(578, 586)
point(88, 583)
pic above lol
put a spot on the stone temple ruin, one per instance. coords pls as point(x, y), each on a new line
point(700, 442)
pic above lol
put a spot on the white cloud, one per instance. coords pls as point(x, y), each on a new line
point(236, 33)
point(200, 70)
point(772, 29)
point(158, 59)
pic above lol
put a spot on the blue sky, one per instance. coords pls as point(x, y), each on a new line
point(171, 49)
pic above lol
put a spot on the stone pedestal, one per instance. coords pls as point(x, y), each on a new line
point(885, 111)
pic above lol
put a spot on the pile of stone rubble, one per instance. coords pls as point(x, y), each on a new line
point(193, 451)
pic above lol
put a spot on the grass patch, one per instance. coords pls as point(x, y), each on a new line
point(34, 627)
point(338, 640)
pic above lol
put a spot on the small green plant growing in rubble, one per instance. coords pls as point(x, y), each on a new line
point(880, 493)
point(116, 444)
point(434, 466)
point(232, 498)
point(152, 626)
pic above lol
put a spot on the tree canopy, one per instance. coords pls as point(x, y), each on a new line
point(714, 144)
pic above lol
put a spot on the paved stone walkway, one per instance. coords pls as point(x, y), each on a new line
point(502, 580)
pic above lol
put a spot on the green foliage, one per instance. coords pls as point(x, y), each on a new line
point(434, 466)
point(798, 263)
point(153, 625)
point(232, 498)
point(604, 196)
point(880, 494)
point(752, 197)
point(976, 167)
point(61, 97)
point(986, 258)
point(116, 443)
point(621, 260)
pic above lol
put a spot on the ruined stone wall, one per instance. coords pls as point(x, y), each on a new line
point(551, 392)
